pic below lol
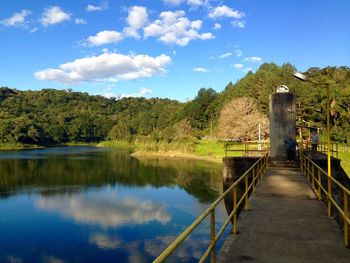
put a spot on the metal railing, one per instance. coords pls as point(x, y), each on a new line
point(250, 178)
point(251, 148)
point(314, 175)
point(322, 147)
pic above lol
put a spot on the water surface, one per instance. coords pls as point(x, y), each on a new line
point(87, 204)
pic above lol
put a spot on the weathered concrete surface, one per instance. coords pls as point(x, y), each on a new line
point(234, 168)
point(282, 122)
point(286, 223)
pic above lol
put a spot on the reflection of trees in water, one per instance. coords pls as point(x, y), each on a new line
point(198, 178)
point(70, 171)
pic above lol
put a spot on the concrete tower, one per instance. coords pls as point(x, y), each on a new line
point(282, 120)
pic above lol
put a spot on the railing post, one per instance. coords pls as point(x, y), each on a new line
point(308, 170)
point(336, 148)
point(329, 194)
point(212, 235)
point(253, 180)
point(319, 184)
point(313, 176)
point(346, 215)
point(234, 229)
point(246, 193)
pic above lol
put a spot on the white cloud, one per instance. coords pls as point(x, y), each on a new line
point(92, 8)
point(225, 11)
point(238, 66)
point(247, 69)
point(17, 19)
point(136, 19)
point(200, 69)
point(189, 2)
point(196, 2)
point(54, 15)
point(142, 93)
point(104, 37)
point(108, 67)
point(33, 30)
point(253, 59)
point(80, 21)
point(225, 55)
point(239, 24)
point(217, 26)
point(238, 53)
point(176, 28)
point(145, 91)
point(173, 2)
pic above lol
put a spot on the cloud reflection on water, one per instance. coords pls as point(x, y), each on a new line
point(106, 211)
point(192, 248)
point(105, 241)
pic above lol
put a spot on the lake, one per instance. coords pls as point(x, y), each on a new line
point(89, 204)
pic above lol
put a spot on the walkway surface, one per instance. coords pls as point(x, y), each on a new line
point(285, 223)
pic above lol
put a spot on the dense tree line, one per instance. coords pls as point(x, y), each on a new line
point(311, 96)
point(59, 116)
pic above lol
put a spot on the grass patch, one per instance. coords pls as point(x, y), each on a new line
point(209, 148)
point(203, 149)
point(18, 146)
point(344, 155)
point(116, 144)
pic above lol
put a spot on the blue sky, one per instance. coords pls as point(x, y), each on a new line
point(163, 48)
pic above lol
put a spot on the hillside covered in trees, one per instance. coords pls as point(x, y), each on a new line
point(49, 117)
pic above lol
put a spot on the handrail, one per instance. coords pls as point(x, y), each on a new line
point(256, 172)
point(313, 173)
point(261, 149)
point(322, 147)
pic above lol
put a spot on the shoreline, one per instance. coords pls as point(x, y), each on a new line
point(175, 154)
point(20, 147)
point(9, 147)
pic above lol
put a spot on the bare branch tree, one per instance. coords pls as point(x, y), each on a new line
point(240, 119)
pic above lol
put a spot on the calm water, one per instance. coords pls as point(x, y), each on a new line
point(87, 204)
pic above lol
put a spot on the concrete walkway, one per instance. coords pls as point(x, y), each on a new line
point(286, 223)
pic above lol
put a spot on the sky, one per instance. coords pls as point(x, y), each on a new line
point(164, 48)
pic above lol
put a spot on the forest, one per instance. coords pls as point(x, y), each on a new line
point(52, 117)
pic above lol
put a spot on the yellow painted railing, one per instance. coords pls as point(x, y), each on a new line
point(250, 178)
point(315, 174)
point(321, 147)
point(249, 148)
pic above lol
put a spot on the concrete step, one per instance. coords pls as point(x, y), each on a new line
point(280, 163)
point(283, 168)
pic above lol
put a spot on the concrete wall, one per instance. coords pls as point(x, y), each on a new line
point(234, 168)
point(340, 175)
point(282, 122)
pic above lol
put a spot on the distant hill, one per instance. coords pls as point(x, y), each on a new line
point(50, 116)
